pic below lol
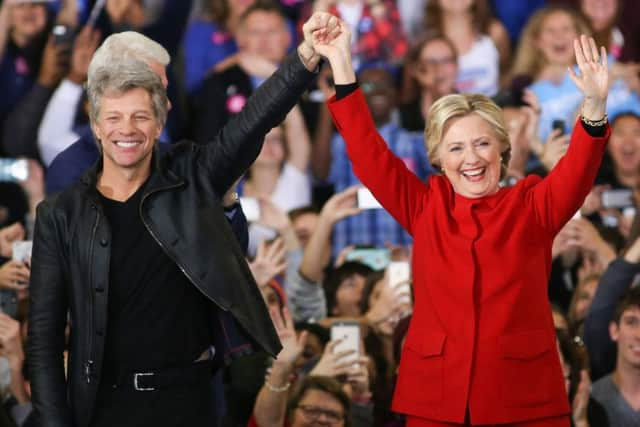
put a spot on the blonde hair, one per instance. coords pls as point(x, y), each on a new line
point(460, 105)
point(529, 59)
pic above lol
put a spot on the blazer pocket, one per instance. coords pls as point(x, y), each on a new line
point(427, 344)
point(421, 367)
point(526, 367)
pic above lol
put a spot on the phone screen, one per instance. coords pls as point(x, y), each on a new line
point(621, 198)
point(376, 258)
point(349, 335)
point(251, 208)
point(399, 273)
point(13, 170)
point(366, 200)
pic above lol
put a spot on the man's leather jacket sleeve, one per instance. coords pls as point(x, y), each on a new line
point(47, 321)
point(240, 141)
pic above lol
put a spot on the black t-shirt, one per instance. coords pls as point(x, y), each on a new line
point(156, 317)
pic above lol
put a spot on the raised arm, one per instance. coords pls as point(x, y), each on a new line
point(239, 142)
point(561, 194)
point(392, 184)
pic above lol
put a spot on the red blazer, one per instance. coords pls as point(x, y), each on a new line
point(482, 334)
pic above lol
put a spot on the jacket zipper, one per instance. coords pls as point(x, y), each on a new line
point(180, 266)
point(88, 366)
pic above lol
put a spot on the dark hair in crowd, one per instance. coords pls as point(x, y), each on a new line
point(340, 274)
point(298, 212)
point(631, 299)
point(267, 6)
point(326, 384)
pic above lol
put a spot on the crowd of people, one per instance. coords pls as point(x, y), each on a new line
point(322, 255)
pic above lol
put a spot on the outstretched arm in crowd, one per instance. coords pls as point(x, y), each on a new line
point(615, 281)
point(271, 403)
point(556, 198)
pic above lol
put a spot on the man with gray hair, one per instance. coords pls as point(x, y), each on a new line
point(142, 257)
point(69, 165)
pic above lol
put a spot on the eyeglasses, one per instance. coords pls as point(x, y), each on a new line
point(313, 413)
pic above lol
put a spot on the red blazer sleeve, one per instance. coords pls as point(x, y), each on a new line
point(556, 198)
point(397, 189)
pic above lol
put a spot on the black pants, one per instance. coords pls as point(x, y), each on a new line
point(175, 407)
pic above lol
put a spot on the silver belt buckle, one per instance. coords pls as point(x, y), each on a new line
point(136, 386)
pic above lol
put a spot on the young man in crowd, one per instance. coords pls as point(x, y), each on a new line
point(619, 392)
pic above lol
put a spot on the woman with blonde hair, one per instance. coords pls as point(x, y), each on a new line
point(545, 54)
point(480, 349)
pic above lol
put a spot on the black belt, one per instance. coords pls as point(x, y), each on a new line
point(189, 375)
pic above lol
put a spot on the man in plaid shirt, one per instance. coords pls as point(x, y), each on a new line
point(375, 226)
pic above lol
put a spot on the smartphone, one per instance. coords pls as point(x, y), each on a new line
point(349, 335)
point(62, 34)
point(21, 250)
point(559, 124)
point(621, 198)
point(366, 199)
point(399, 273)
point(13, 170)
point(376, 258)
point(251, 208)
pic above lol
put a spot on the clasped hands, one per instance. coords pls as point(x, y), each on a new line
point(325, 35)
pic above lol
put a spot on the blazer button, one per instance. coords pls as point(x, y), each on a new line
point(104, 242)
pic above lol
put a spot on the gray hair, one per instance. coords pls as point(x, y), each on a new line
point(126, 45)
point(121, 77)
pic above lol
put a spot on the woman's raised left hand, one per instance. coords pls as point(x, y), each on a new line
point(593, 80)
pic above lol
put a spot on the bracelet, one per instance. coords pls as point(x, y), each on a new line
point(595, 123)
point(275, 389)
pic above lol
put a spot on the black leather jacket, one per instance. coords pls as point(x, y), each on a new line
point(181, 209)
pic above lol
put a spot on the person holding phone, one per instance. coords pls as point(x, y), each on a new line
point(480, 348)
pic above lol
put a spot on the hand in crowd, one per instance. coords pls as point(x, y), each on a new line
point(584, 235)
point(11, 348)
point(393, 303)
point(83, 48)
point(14, 275)
point(318, 250)
point(580, 403)
point(341, 205)
point(8, 235)
point(358, 382)
point(593, 201)
point(10, 341)
point(269, 261)
point(333, 364)
point(292, 344)
point(55, 63)
point(554, 150)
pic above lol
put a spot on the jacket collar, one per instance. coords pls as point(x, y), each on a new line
point(160, 175)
